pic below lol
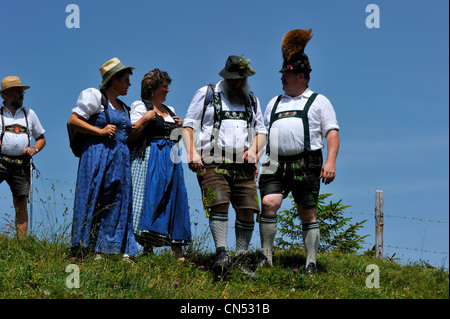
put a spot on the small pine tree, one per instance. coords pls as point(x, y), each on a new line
point(335, 231)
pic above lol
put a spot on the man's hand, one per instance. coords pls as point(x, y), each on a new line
point(328, 173)
point(29, 151)
point(194, 158)
point(250, 156)
point(195, 163)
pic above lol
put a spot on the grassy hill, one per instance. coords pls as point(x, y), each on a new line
point(36, 269)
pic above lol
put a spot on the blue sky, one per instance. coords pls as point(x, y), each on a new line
point(388, 85)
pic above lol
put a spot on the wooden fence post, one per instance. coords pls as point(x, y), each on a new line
point(379, 223)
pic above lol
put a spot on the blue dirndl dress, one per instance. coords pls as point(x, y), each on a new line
point(160, 203)
point(102, 217)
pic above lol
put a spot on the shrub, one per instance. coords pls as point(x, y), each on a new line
point(336, 231)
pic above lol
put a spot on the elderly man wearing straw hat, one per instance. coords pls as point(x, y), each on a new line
point(102, 221)
point(297, 122)
point(231, 130)
point(17, 126)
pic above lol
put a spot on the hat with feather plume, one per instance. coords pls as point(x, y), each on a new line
point(292, 48)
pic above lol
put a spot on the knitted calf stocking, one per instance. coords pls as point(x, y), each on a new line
point(311, 237)
point(218, 223)
point(267, 231)
point(244, 231)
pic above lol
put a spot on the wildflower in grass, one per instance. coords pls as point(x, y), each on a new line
point(294, 271)
point(176, 283)
point(202, 267)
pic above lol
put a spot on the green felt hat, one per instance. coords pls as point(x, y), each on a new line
point(237, 67)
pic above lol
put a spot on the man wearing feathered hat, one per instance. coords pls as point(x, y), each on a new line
point(297, 122)
point(229, 120)
point(18, 125)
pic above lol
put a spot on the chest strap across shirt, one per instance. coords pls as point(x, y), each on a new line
point(303, 114)
point(11, 129)
point(220, 115)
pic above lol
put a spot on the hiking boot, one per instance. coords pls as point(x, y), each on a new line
point(243, 263)
point(311, 268)
point(127, 258)
point(222, 263)
point(263, 260)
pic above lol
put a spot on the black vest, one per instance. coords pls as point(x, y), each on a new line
point(155, 130)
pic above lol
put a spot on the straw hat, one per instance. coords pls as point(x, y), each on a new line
point(12, 82)
point(110, 68)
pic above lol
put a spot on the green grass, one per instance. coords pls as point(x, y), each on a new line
point(35, 269)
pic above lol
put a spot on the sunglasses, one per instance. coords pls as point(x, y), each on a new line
point(17, 91)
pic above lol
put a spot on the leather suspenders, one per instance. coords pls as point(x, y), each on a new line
point(5, 128)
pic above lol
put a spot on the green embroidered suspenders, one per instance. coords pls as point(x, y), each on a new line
point(220, 115)
point(303, 114)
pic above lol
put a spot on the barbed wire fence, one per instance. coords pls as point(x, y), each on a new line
point(52, 207)
point(56, 210)
point(405, 218)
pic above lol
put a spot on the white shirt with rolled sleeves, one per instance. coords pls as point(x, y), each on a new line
point(287, 133)
point(89, 103)
point(14, 144)
point(233, 133)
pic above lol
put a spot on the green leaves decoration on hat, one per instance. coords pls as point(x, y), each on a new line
point(237, 67)
point(245, 64)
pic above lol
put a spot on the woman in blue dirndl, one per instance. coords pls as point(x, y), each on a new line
point(160, 203)
point(102, 220)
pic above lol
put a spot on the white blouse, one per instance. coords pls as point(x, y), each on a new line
point(89, 103)
point(138, 109)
